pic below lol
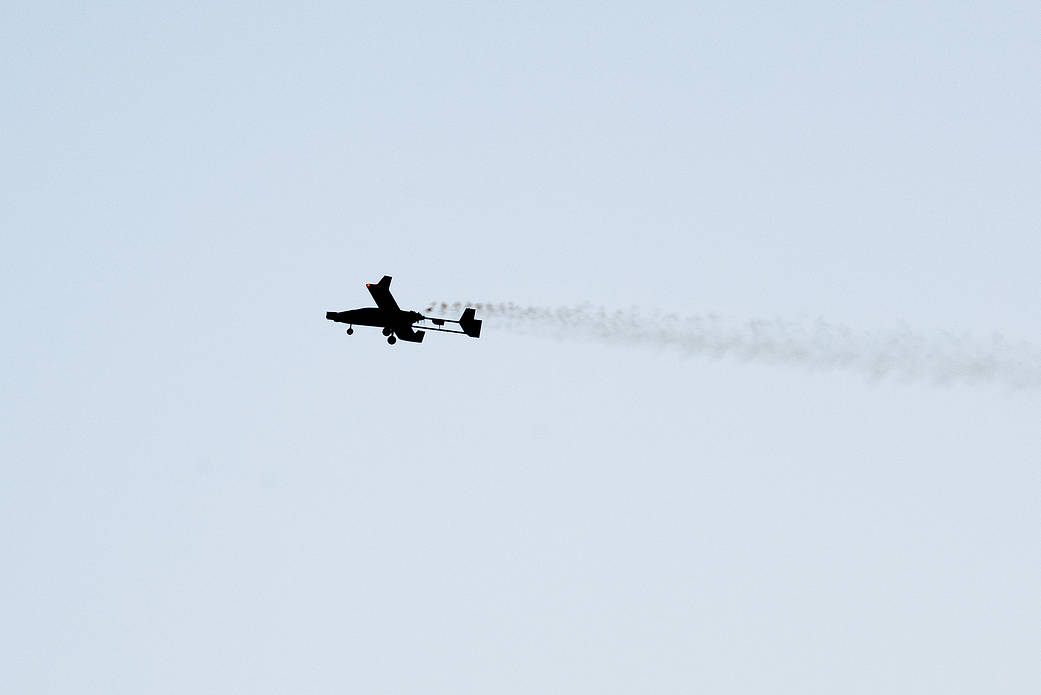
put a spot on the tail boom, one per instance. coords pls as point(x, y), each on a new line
point(468, 324)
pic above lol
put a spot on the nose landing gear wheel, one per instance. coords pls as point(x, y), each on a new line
point(392, 339)
point(350, 331)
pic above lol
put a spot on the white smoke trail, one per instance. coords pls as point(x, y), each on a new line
point(900, 354)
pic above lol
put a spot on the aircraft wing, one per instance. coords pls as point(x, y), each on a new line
point(406, 333)
point(380, 292)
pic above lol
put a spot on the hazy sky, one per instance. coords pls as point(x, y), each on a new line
point(207, 487)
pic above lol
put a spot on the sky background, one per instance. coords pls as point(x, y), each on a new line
point(207, 487)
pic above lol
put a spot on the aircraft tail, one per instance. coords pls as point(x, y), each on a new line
point(470, 325)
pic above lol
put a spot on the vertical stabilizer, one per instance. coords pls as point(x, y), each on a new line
point(470, 325)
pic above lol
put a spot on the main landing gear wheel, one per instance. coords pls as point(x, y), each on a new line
point(392, 339)
point(387, 331)
point(350, 331)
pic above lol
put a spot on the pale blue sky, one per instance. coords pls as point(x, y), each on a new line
point(209, 488)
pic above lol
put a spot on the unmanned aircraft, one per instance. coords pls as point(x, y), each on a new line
point(397, 323)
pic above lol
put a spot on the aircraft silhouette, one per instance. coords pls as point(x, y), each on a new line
point(397, 323)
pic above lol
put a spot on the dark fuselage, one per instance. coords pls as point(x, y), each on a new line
point(374, 316)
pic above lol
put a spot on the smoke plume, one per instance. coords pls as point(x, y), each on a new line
point(900, 354)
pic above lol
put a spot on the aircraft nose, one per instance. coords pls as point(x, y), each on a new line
point(331, 315)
